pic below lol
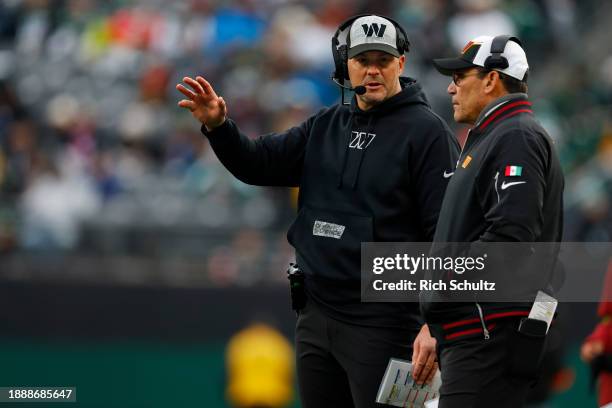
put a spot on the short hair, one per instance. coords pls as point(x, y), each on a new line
point(511, 84)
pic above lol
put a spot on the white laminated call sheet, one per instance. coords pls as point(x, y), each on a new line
point(399, 389)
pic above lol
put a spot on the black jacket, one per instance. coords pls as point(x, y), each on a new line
point(507, 187)
point(364, 176)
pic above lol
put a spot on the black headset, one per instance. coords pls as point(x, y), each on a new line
point(340, 52)
point(498, 45)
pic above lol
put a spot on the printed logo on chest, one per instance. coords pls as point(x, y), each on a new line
point(361, 140)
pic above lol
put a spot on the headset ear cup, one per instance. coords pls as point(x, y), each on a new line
point(337, 60)
point(401, 46)
point(340, 53)
point(496, 61)
point(498, 45)
point(406, 45)
point(343, 54)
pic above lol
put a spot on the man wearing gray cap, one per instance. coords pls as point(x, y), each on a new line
point(507, 187)
point(371, 170)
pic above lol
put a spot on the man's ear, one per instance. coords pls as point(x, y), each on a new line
point(492, 83)
point(402, 62)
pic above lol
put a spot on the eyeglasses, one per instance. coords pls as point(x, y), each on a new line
point(460, 76)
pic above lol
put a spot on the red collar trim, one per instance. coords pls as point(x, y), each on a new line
point(504, 109)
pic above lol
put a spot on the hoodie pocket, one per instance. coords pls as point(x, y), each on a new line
point(328, 243)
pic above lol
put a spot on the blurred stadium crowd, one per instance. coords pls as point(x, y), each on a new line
point(96, 159)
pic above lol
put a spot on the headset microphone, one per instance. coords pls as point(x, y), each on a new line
point(359, 89)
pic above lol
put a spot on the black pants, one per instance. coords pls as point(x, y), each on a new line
point(476, 372)
point(340, 364)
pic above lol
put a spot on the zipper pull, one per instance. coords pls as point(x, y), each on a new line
point(485, 331)
point(487, 336)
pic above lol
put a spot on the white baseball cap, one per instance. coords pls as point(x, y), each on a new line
point(372, 33)
point(476, 52)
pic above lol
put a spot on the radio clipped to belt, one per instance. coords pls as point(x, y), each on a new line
point(296, 285)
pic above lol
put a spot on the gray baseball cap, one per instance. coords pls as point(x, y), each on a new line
point(370, 33)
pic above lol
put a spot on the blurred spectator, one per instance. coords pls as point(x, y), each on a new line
point(86, 108)
point(247, 248)
point(597, 348)
point(19, 151)
point(222, 267)
point(50, 221)
point(478, 17)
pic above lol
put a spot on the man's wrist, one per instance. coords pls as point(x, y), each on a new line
point(210, 128)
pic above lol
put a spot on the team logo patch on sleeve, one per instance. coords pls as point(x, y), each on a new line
point(512, 171)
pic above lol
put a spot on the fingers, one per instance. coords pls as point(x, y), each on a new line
point(185, 91)
point(206, 86)
point(419, 373)
point(429, 369)
point(424, 358)
point(222, 106)
point(195, 85)
point(202, 88)
point(432, 373)
point(416, 352)
point(187, 104)
point(418, 364)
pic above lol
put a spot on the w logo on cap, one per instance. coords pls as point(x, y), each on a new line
point(374, 28)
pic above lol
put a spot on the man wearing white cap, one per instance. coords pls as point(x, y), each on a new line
point(507, 187)
point(372, 170)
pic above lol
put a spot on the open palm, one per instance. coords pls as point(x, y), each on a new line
point(203, 102)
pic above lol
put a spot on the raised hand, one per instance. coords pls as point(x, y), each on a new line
point(203, 102)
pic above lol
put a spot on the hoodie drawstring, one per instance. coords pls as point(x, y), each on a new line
point(346, 148)
point(369, 128)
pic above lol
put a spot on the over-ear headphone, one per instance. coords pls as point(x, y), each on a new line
point(340, 52)
point(498, 45)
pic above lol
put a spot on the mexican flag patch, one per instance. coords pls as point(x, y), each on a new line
point(513, 171)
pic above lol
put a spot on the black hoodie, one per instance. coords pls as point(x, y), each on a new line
point(375, 175)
